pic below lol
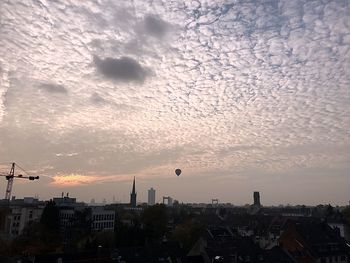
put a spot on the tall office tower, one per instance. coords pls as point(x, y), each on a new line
point(256, 196)
point(133, 195)
point(151, 196)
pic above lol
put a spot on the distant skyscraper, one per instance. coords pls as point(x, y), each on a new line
point(256, 196)
point(151, 196)
point(133, 195)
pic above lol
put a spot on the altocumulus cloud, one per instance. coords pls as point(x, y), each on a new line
point(121, 69)
point(239, 88)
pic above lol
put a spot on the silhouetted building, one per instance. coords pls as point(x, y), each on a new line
point(257, 199)
point(100, 218)
point(151, 196)
point(16, 214)
point(133, 195)
point(169, 201)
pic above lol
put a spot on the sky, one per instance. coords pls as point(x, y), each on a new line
point(242, 96)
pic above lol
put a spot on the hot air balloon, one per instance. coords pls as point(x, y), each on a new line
point(178, 172)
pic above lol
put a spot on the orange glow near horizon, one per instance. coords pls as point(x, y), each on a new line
point(73, 180)
point(79, 179)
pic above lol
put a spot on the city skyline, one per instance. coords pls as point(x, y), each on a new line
point(241, 96)
point(124, 198)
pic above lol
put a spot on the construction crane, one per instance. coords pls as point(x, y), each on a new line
point(11, 176)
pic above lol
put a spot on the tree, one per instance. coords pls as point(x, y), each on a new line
point(329, 211)
point(50, 217)
point(188, 233)
point(155, 221)
point(50, 224)
point(129, 235)
point(346, 213)
point(80, 231)
point(106, 239)
point(4, 248)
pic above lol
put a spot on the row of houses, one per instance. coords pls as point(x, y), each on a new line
point(299, 242)
point(271, 238)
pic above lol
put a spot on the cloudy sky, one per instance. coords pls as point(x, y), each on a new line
point(241, 95)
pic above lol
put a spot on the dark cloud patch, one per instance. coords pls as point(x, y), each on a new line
point(121, 69)
point(156, 27)
point(53, 88)
point(97, 99)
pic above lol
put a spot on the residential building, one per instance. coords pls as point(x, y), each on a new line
point(314, 242)
point(221, 244)
point(16, 214)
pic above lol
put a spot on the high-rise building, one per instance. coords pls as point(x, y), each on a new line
point(133, 195)
point(151, 196)
point(256, 197)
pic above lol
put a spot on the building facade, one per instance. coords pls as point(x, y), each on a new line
point(99, 218)
point(102, 219)
point(16, 214)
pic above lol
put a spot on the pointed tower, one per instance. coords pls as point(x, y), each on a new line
point(133, 195)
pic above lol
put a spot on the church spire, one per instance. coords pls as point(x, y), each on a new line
point(133, 187)
point(133, 195)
